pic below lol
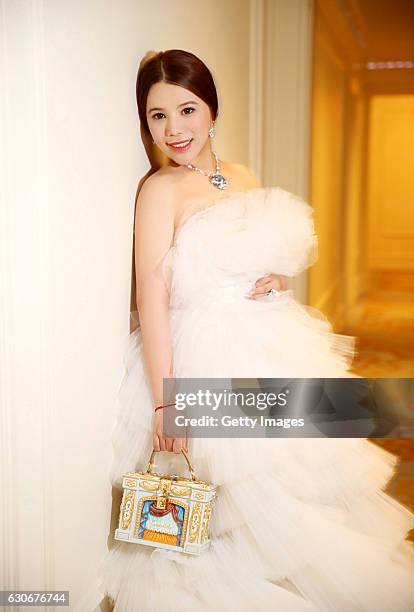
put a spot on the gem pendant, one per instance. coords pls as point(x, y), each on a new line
point(219, 181)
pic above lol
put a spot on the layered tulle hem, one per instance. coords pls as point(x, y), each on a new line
point(299, 524)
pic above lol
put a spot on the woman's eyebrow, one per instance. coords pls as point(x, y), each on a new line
point(182, 104)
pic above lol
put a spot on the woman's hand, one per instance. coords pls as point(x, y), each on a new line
point(265, 284)
point(165, 444)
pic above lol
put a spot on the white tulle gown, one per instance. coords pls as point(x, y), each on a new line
point(299, 524)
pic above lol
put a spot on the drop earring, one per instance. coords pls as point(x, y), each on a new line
point(211, 132)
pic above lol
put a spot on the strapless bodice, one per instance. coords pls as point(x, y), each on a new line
point(220, 250)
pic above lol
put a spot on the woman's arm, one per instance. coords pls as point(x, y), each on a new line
point(154, 230)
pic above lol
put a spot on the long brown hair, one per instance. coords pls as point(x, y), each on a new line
point(177, 67)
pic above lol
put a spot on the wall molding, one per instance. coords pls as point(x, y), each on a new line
point(26, 394)
point(281, 42)
point(9, 553)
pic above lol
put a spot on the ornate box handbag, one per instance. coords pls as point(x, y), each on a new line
point(166, 511)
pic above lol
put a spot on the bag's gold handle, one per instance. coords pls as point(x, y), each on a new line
point(151, 463)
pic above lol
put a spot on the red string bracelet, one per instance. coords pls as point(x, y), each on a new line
point(165, 405)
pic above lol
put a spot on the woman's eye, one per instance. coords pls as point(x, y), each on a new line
point(187, 108)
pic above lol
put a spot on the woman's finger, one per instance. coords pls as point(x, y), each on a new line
point(263, 280)
point(156, 442)
point(272, 284)
point(179, 443)
point(264, 288)
point(162, 443)
point(169, 444)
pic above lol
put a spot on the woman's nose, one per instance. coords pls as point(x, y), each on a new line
point(172, 127)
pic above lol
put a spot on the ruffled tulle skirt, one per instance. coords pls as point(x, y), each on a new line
point(299, 523)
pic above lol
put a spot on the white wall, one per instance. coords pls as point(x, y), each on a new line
point(70, 162)
point(69, 166)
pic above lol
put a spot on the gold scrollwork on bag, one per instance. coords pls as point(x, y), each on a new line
point(180, 491)
point(195, 522)
point(130, 483)
point(206, 522)
point(127, 508)
point(200, 495)
point(163, 492)
point(149, 486)
point(179, 480)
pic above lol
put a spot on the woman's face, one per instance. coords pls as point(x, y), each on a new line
point(176, 115)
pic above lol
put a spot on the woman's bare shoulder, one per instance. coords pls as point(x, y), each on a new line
point(156, 203)
point(158, 187)
point(169, 188)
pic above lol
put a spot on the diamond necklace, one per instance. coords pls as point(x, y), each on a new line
point(216, 178)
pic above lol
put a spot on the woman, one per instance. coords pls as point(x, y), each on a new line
point(299, 524)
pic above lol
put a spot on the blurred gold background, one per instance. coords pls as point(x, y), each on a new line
point(362, 145)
